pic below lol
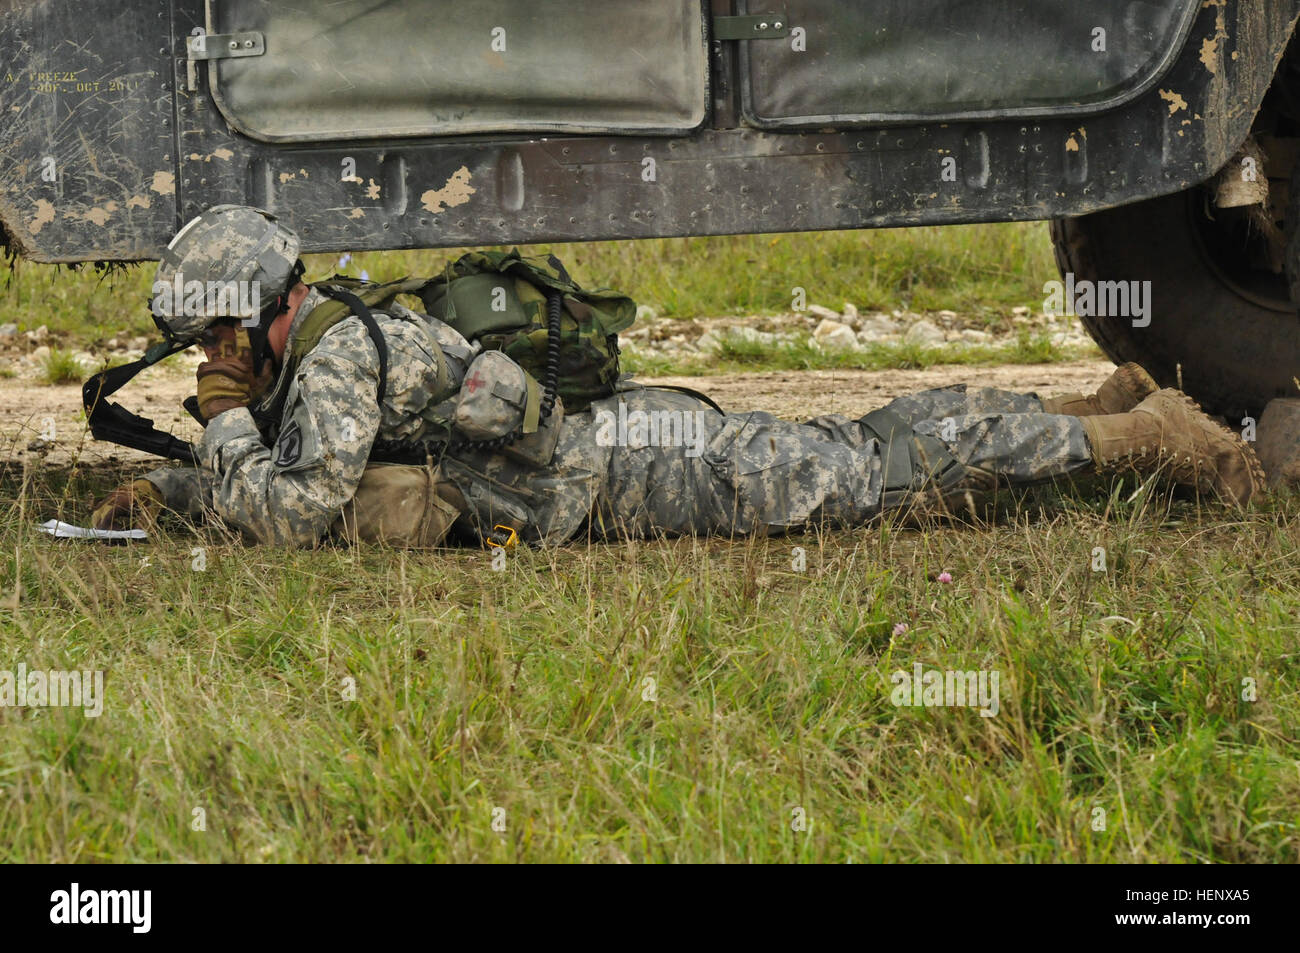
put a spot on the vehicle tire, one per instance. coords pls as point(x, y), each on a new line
point(1217, 308)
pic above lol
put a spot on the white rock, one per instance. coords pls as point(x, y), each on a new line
point(41, 333)
point(709, 341)
point(948, 315)
point(139, 343)
point(924, 333)
point(827, 327)
point(869, 337)
point(879, 325)
point(40, 354)
point(850, 312)
point(646, 313)
point(1021, 311)
point(840, 336)
point(826, 314)
point(975, 336)
point(8, 330)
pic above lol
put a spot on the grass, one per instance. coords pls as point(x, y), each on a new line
point(663, 701)
point(975, 268)
point(61, 367)
point(738, 354)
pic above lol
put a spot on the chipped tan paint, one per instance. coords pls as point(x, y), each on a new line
point(139, 201)
point(456, 192)
point(222, 153)
point(1175, 101)
point(287, 176)
point(1072, 144)
point(164, 183)
point(1210, 54)
point(372, 190)
point(357, 213)
point(44, 215)
point(1210, 57)
point(99, 215)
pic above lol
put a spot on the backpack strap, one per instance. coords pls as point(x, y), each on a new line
point(359, 308)
point(323, 317)
point(689, 392)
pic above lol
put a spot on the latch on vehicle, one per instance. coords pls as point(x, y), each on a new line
point(223, 46)
point(764, 26)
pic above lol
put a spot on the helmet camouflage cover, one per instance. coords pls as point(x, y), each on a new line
point(222, 264)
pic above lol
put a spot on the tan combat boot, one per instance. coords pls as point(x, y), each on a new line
point(1126, 387)
point(1168, 432)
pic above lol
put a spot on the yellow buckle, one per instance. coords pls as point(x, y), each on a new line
point(511, 537)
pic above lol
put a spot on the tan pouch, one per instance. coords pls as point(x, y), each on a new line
point(396, 505)
point(536, 449)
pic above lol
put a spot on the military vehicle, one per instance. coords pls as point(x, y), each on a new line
point(1158, 135)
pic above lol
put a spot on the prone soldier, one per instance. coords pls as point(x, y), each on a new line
point(298, 412)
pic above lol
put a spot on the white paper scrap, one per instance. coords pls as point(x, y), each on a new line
point(61, 530)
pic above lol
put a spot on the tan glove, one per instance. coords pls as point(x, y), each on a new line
point(228, 381)
point(134, 506)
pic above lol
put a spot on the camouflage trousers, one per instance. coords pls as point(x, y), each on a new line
point(753, 472)
point(648, 462)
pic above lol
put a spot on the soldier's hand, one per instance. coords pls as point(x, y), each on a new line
point(135, 505)
point(226, 379)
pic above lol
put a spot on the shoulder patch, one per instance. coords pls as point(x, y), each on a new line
point(288, 449)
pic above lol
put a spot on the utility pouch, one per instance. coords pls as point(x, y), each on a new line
point(536, 449)
point(911, 461)
point(396, 505)
point(497, 398)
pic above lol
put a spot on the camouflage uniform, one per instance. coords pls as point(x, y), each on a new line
point(752, 471)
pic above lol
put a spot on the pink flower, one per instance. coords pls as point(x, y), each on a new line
point(945, 576)
point(900, 628)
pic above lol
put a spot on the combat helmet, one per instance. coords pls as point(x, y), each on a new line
point(231, 261)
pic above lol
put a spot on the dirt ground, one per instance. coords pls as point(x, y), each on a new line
point(30, 413)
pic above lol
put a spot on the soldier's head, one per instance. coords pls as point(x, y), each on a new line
point(230, 266)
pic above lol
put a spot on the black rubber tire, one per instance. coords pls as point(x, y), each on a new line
point(1237, 350)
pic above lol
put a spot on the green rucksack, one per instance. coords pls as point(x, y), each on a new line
point(500, 300)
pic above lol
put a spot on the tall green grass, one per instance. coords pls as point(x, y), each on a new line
point(675, 701)
point(963, 268)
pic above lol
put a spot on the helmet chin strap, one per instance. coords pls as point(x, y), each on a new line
point(259, 334)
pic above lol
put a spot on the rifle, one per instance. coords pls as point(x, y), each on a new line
point(116, 424)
